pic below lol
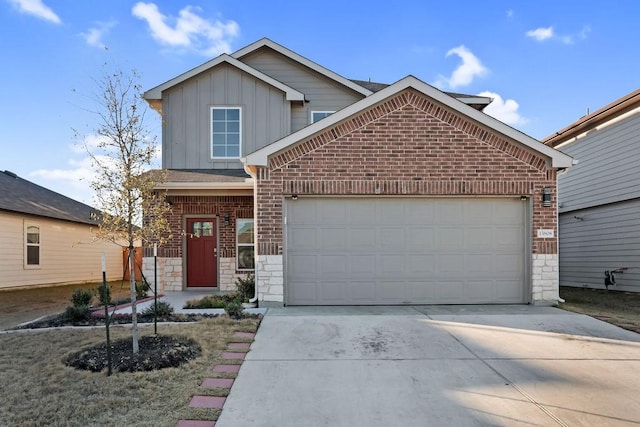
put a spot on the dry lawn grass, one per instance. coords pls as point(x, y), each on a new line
point(616, 307)
point(22, 305)
point(38, 389)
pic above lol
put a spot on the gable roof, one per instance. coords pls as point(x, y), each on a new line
point(608, 112)
point(261, 156)
point(18, 195)
point(265, 42)
point(155, 94)
point(476, 101)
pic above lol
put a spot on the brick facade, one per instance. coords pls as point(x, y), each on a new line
point(407, 145)
point(237, 207)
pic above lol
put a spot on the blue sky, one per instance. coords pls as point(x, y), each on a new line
point(546, 63)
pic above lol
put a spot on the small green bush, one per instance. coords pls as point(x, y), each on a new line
point(141, 289)
point(82, 297)
point(246, 287)
point(77, 313)
point(104, 294)
point(234, 309)
point(164, 309)
point(212, 301)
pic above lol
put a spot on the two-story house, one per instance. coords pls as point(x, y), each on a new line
point(599, 199)
point(337, 191)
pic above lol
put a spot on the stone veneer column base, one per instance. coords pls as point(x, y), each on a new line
point(545, 279)
point(270, 279)
point(228, 274)
point(169, 273)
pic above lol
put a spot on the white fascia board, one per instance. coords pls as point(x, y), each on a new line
point(302, 60)
point(261, 157)
point(291, 93)
point(475, 100)
point(247, 184)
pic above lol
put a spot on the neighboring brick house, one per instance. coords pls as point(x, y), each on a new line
point(361, 193)
point(599, 198)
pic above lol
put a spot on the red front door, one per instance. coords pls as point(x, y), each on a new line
point(202, 261)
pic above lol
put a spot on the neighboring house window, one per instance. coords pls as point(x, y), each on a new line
point(32, 250)
point(225, 132)
point(319, 115)
point(245, 245)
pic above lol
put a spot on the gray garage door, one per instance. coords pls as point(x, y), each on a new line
point(360, 251)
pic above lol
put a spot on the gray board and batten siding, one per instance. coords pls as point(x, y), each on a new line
point(321, 93)
point(599, 207)
point(187, 106)
point(376, 250)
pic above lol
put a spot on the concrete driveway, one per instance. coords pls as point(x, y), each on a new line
point(436, 366)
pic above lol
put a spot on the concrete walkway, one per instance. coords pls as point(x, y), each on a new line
point(436, 366)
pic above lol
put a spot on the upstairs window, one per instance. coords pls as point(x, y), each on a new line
point(225, 132)
point(32, 246)
point(245, 245)
point(319, 115)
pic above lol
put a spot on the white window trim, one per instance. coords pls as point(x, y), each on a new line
point(318, 111)
point(26, 245)
point(223, 107)
point(245, 244)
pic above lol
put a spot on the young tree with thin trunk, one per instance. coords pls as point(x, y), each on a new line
point(122, 156)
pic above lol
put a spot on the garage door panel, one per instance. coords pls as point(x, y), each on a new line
point(420, 264)
point(331, 265)
point(362, 238)
point(334, 292)
point(450, 239)
point(303, 239)
point(390, 265)
point(420, 239)
point(478, 265)
point(333, 212)
point(391, 239)
point(405, 250)
point(332, 239)
point(300, 265)
point(476, 238)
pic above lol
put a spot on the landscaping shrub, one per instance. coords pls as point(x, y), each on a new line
point(164, 309)
point(104, 294)
point(212, 301)
point(141, 289)
point(245, 287)
point(82, 297)
point(234, 309)
point(78, 313)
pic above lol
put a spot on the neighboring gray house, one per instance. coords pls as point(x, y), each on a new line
point(347, 192)
point(599, 198)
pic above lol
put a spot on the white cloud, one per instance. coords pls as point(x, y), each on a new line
point(189, 31)
point(541, 34)
point(38, 9)
point(470, 68)
point(504, 110)
point(510, 13)
point(93, 36)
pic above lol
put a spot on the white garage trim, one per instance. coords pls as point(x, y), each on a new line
point(406, 250)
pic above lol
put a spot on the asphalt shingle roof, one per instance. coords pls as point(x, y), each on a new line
point(21, 196)
point(206, 175)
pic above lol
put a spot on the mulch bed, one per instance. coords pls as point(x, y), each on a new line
point(156, 352)
point(118, 319)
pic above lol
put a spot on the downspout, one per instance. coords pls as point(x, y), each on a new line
point(559, 172)
point(251, 171)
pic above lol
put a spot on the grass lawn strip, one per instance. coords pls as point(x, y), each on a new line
point(46, 392)
point(616, 307)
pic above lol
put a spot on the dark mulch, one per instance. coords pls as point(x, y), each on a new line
point(156, 352)
point(119, 319)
